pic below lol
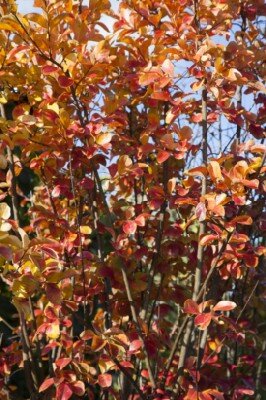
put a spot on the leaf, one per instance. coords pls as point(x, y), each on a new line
point(191, 307)
point(78, 388)
point(53, 331)
point(5, 252)
point(85, 230)
point(162, 156)
point(185, 133)
point(129, 227)
point(46, 384)
point(53, 293)
point(244, 391)
point(171, 185)
point(208, 239)
point(215, 171)
point(98, 343)
point(124, 163)
point(63, 391)
point(105, 380)
point(135, 346)
point(225, 306)
point(3, 162)
point(24, 287)
point(203, 320)
point(103, 139)
point(198, 171)
point(168, 67)
point(25, 238)
point(63, 362)
point(170, 117)
point(49, 69)
point(5, 211)
point(140, 220)
point(65, 82)
point(201, 211)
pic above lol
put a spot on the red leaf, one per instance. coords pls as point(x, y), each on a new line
point(63, 391)
point(191, 307)
point(87, 183)
point(129, 227)
point(203, 320)
point(243, 391)
point(207, 239)
point(135, 346)
point(62, 362)
point(250, 260)
point(224, 306)
point(49, 69)
point(65, 82)
point(126, 364)
point(105, 380)
point(140, 220)
point(53, 293)
point(46, 384)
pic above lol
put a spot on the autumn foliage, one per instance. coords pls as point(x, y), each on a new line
point(132, 189)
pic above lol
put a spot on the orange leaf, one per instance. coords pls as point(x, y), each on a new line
point(185, 133)
point(198, 171)
point(215, 171)
point(162, 156)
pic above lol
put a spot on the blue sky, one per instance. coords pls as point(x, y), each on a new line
point(26, 6)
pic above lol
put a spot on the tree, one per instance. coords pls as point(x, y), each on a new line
point(134, 256)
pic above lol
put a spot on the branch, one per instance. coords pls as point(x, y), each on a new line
point(202, 230)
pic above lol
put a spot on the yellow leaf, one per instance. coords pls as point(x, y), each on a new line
point(4, 211)
point(24, 237)
point(3, 99)
point(171, 184)
point(197, 85)
point(54, 107)
point(218, 64)
point(124, 163)
point(53, 331)
point(64, 117)
point(5, 26)
point(232, 74)
point(103, 139)
point(85, 230)
point(24, 287)
point(170, 117)
point(3, 162)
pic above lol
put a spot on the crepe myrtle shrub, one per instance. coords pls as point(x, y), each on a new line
point(132, 200)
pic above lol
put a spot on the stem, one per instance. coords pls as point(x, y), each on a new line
point(186, 319)
point(202, 230)
point(80, 239)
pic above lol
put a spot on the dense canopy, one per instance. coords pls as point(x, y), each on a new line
point(132, 189)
